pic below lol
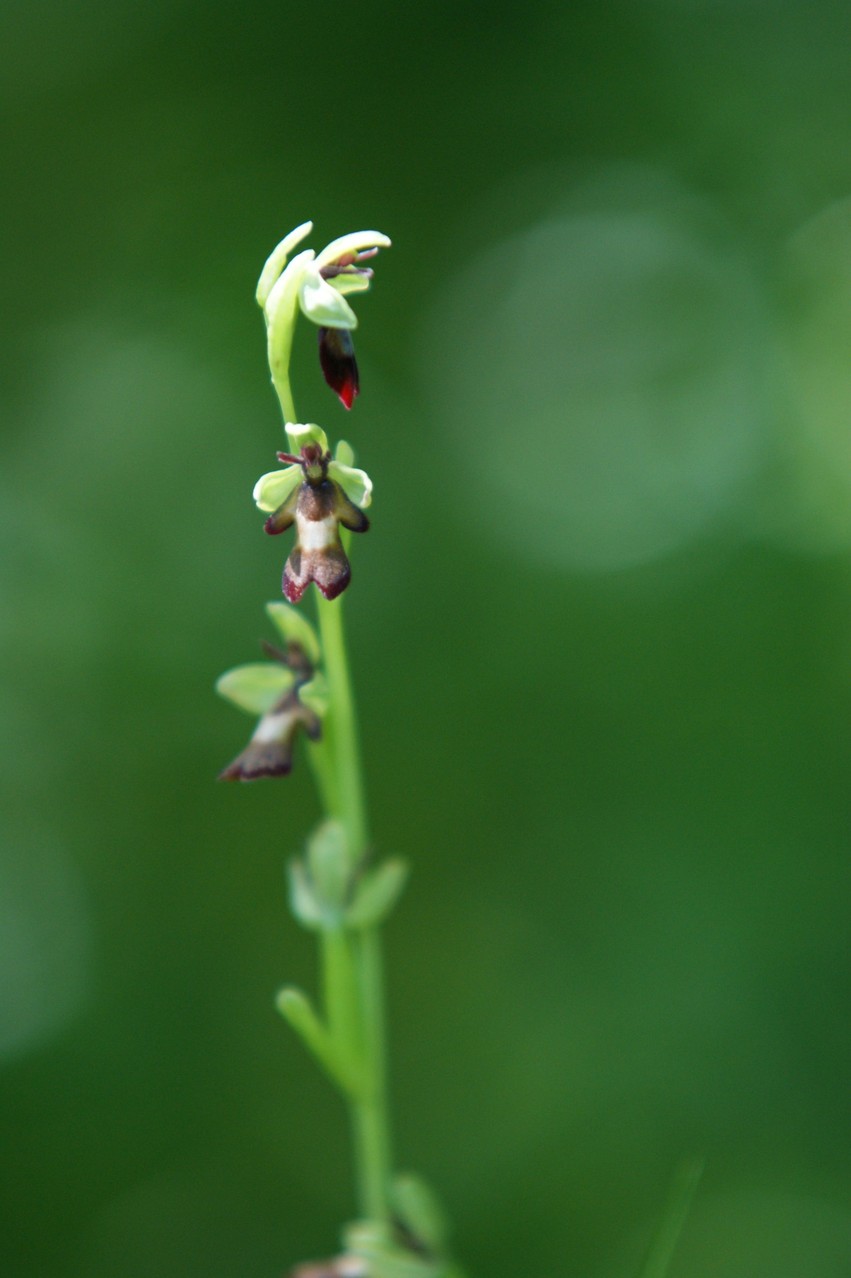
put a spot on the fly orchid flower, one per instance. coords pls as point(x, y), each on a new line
point(317, 283)
point(319, 494)
point(286, 693)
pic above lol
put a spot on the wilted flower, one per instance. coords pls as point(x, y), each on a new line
point(318, 283)
point(318, 494)
point(286, 693)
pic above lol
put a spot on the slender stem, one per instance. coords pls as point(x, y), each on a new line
point(345, 743)
point(281, 381)
point(340, 990)
point(374, 1122)
point(369, 1114)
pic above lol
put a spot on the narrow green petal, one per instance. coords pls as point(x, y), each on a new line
point(302, 433)
point(354, 242)
point(356, 484)
point(350, 283)
point(256, 687)
point(293, 627)
point(277, 260)
point(281, 313)
point(323, 304)
point(273, 488)
point(344, 453)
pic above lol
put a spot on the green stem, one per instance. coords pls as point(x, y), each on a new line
point(340, 991)
point(343, 725)
point(281, 381)
point(369, 1114)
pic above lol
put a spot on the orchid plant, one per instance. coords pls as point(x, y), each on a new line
point(337, 889)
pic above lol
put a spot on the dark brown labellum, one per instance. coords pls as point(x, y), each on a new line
point(339, 366)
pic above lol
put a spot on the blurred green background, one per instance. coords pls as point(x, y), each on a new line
point(600, 627)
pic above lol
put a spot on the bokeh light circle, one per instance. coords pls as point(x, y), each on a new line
point(600, 376)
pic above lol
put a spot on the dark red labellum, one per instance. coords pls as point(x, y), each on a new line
point(339, 366)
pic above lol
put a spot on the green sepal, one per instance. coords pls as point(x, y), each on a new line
point(293, 627)
point(419, 1210)
point(356, 484)
point(373, 1243)
point(297, 1009)
point(277, 260)
point(315, 695)
point(275, 487)
point(255, 687)
point(302, 433)
point(329, 867)
point(377, 894)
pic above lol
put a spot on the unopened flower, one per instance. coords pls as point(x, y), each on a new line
point(318, 283)
point(286, 693)
point(319, 494)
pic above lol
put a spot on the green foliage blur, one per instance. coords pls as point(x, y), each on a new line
point(600, 627)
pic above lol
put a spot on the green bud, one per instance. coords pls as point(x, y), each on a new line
point(377, 894)
point(304, 902)
point(329, 867)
